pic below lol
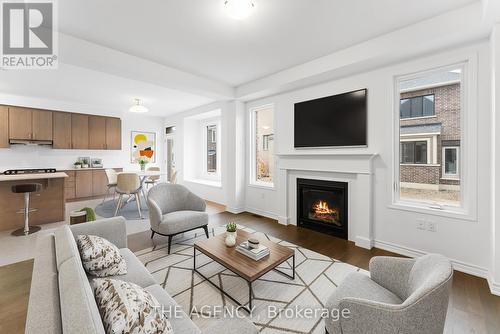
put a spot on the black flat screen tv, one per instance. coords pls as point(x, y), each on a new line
point(338, 120)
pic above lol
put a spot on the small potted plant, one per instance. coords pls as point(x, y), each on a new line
point(85, 163)
point(231, 234)
point(142, 161)
point(77, 165)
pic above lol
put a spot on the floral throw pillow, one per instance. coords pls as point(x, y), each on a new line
point(100, 257)
point(128, 308)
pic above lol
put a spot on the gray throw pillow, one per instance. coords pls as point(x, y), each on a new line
point(100, 257)
point(127, 308)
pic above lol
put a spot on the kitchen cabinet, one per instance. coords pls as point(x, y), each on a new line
point(32, 124)
point(83, 184)
point(65, 130)
point(113, 133)
point(79, 131)
point(61, 125)
point(99, 182)
point(70, 185)
point(41, 124)
point(97, 132)
point(4, 127)
point(20, 123)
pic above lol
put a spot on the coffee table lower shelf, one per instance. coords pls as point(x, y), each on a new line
point(249, 308)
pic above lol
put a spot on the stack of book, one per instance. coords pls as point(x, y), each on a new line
point(253, 253)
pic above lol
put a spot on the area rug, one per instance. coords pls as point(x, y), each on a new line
point(276, 297)
point(129, 210)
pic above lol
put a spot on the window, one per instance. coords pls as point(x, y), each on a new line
point(450, 162)
point(262, 146)
point(419, 106)
point(413, 152)
point(265, 141)
point(427, 178)
point(211, 132)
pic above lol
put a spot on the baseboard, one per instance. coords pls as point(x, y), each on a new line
point(364, 242)
point(234, 210)
point(494, 286)
point(262, 213)
point(283, 220)
point(457, 265)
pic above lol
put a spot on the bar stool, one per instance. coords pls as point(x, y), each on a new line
point(26, 189)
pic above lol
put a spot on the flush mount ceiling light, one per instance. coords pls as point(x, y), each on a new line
point(239, 9)
point(138, 107)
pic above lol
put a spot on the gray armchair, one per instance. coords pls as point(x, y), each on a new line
point(402, 296)
point(173, 209)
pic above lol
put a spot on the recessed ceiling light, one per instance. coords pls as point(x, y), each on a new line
point(239, 9)
point(138, 107)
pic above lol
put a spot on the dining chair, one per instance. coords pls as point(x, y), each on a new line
point(152, 180)
point(111, 175)
point(128, 184)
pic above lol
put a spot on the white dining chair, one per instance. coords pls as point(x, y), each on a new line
point(128, 184)
point(152, 180)
point(111, 175)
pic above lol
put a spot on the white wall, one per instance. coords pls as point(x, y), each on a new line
point(41, 156)
point(466, 242)
point(495, 175)
point(186, 137)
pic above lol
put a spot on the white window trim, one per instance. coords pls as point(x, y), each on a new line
point(468, 120)
point(253, 149)
point(205, 174)
point(450, 176)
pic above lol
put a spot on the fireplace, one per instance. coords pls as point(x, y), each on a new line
point(322, 206)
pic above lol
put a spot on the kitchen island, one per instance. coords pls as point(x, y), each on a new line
point(50, 202)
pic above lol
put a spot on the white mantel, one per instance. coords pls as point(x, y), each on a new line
point(355, 169)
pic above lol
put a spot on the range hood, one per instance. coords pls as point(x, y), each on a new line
point(30, 142)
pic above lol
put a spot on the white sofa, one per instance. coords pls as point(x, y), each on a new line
point(61, 297)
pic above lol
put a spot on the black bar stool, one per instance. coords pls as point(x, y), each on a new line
point(26, 189)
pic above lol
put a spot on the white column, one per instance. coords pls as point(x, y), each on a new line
point(234, 117)
point(494, 279)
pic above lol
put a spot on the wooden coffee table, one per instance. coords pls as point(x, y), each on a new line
point(246, 268)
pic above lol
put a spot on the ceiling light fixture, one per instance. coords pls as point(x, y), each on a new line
point(239, 9)
point(138, 107)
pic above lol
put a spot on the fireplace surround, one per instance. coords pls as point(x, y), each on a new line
point(322, 206)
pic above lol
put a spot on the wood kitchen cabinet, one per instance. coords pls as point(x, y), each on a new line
point(99, 182)
point(41, 124)
point(65, 130)
point(97, 132)
point(4, 127)
point(113, 133)
point(20, 123)
point(83, 184)
point(32, 124)
point(61, 124)
point(79, 131)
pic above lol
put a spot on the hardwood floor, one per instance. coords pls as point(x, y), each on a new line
point(473, 309)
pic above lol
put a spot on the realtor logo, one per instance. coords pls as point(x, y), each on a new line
point(28, 35)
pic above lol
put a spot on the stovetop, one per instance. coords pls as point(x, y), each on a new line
point(29, 171)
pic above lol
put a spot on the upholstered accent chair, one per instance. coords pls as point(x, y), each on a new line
point(173, 209)
point(401, 296)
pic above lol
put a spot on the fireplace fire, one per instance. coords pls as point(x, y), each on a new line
point(321, 211)
point(322, 206)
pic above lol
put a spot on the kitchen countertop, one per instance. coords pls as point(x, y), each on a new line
point(36, 176)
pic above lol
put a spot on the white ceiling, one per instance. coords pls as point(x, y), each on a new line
point(197, 36)
point(71, 84)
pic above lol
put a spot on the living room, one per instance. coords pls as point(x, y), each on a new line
point(249, 166)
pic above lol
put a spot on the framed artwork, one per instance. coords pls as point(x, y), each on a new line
point(142, 145)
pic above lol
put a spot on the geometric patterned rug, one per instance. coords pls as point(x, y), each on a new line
point(275, 296)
